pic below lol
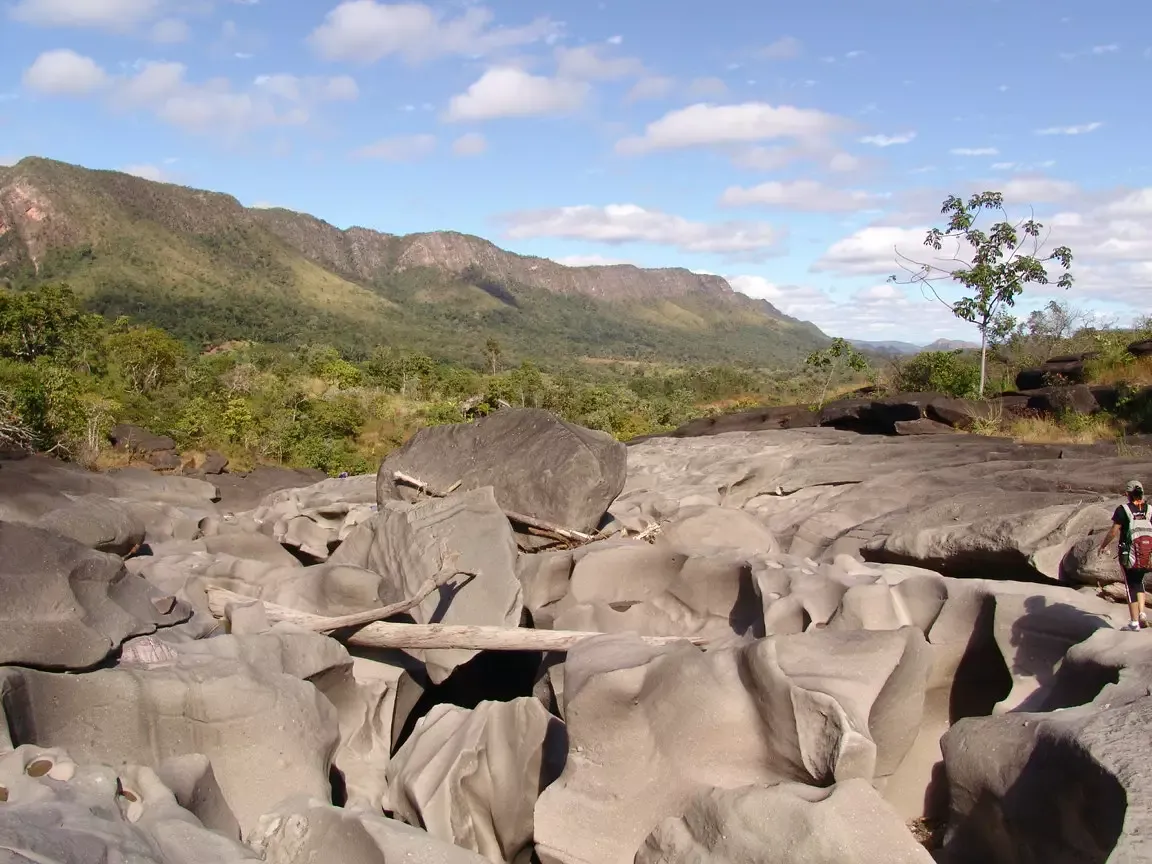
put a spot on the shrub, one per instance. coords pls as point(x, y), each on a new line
point(940, 372)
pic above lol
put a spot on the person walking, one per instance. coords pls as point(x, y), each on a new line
point(1133, 528)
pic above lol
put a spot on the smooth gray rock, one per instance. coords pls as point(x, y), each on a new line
point(471, 777)
point(242, 702)
point(97, 522)
point(847, 823)
point(56, 810)
point(538, 465)
point(407, 544)
point(66, 606)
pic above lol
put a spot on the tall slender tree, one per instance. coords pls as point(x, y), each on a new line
point(1001, 261)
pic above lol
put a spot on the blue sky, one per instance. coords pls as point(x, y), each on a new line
point(790, 147)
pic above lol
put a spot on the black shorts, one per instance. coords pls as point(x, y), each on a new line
point(1134, 580)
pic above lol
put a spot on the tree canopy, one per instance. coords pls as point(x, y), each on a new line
point(1002, 260)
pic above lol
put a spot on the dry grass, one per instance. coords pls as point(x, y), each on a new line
point(1050, 430)
point(1137, 373)
point(927, 833)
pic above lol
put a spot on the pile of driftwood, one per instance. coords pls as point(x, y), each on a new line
point(371, 629)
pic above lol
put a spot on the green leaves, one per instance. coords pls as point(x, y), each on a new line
point(1003, 260)
point(839, 353)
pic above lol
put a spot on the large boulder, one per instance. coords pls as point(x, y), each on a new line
point(327, 590)
point(754, 420)
point(243, 491)
point(649, 727)
point(538, 465)
point(66, 606)
point(1009, 774)
point(1141, 348)
point(1058, 401)
point(1067, 369)
point(242, 701)
point(847, 823)
point(408, 544)
point(471, 777)
point(317, 518)
point(98, 522)
point(130, 438)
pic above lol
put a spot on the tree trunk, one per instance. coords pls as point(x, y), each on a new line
point(412, 636)
point(983, 357)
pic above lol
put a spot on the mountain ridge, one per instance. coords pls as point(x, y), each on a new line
point(202, 263)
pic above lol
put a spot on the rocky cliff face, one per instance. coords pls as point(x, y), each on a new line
point(363, 254)
point(150, 246)
point(30, 223)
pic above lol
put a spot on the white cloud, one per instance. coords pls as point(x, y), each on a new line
point(775, 158)
point(1023, 166)
point(7, 160)
point(701, 88)
point(651, 87)
point(215, 107)
point(1082, 129)
point(1038, 190)
point(888, 140)
point(63, 72)
point(705, 124)
point(115, 15)
point(401, 148)
point(506, 91)
point(471, 144)
point(844, 163)
point(1110, 237)
point(147, 172)
point(616, 40)
point(880, 312)
point(767, 158)
point(630, 223)
point(784, 48)
point(871, 251)
point(590, 261)
point(588, 62)
point(367, 31)
point(1095, 50)
point(170, 31)
point(807, 195)
point(974, 151)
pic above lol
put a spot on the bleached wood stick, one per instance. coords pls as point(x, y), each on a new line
point(412, 636)
point(523, 519)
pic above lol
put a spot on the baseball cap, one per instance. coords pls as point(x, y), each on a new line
point(1133, 486)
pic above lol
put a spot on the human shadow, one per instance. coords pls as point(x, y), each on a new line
point(1042, 637)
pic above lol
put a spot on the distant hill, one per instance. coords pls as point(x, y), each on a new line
point(209, 269)
point(895, 348)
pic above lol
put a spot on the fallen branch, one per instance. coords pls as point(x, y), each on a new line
point(414, 636)
point(519, 518)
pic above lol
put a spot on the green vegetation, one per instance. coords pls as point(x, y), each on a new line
point(839, 356)
point(208, 271)
point(998, 269)
point(69, 376)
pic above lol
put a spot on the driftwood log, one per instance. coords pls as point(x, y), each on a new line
point(379, 634)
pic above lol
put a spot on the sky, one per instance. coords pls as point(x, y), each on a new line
point(797, 149)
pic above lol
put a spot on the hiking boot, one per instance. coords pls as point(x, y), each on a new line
point(1132, 625)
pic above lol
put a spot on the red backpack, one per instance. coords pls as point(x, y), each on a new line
point(1139, 552)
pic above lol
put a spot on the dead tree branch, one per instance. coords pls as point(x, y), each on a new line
point(416, 636)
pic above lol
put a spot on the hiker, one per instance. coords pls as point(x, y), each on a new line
point(1130, 523)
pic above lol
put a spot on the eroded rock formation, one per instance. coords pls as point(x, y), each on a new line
point(893, 630)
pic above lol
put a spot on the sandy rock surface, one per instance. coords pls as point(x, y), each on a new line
point(896, 629)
